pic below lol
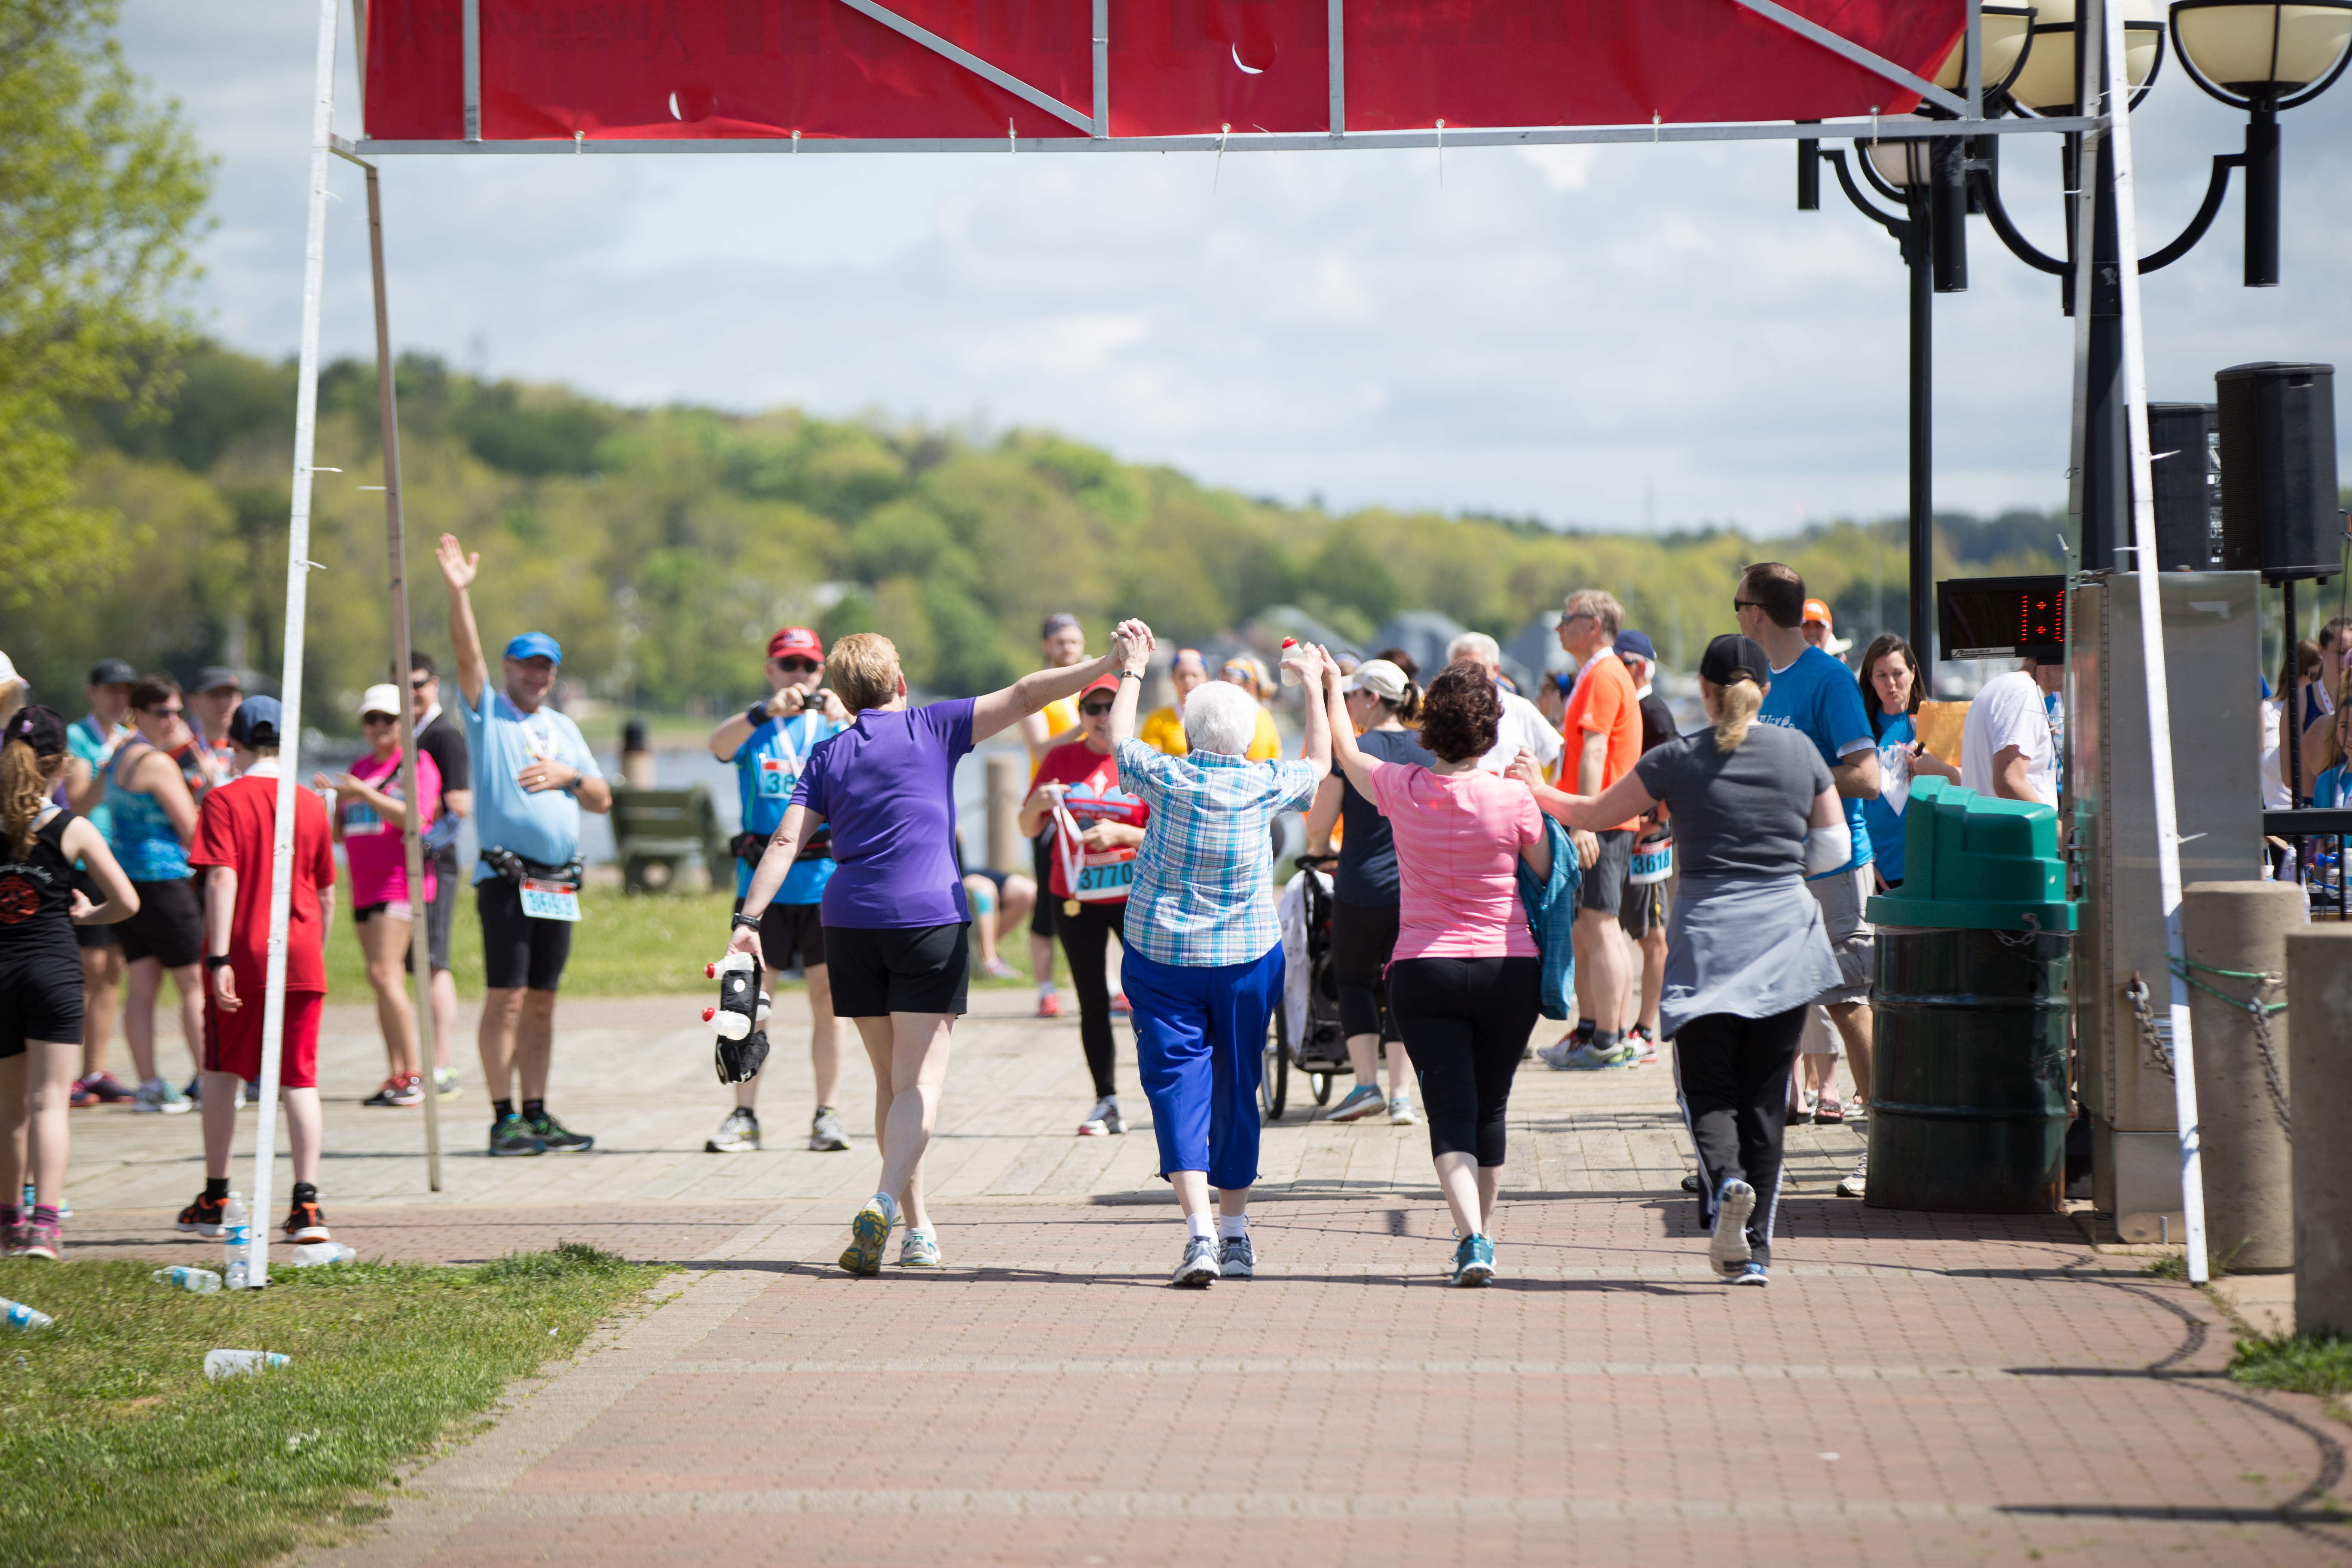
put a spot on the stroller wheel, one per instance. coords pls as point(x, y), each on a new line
point(1322, 1085)
point(1274, 1081)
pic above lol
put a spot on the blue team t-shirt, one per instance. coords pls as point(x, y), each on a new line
point(1885, 822)
point(767, 765)
point(502, 740)
point(886, 786)
point(1817, 698)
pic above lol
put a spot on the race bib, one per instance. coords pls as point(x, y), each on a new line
point(1652, 862)
point(550, 900)
point(776, 780)
point(1093, 876)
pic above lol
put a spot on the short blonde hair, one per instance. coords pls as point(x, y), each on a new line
point(864, 669)
point(1601, 605)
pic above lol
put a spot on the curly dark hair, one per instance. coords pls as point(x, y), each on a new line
point(1460, 712)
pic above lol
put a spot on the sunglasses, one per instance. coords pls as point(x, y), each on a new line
point(1093, 709)
point(164, 712)
point(378, 719)
point(419, 683)
point(1739, 605)
point(797, 666)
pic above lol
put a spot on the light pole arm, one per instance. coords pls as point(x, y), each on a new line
point(1989, 192)
point(1900, 227)
point(2215, 189)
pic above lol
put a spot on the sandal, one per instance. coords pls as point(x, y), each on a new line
point(1829, 1111)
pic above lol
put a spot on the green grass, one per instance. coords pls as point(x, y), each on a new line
point(646, 945)
point(2320, 1365)
point(114, 1449)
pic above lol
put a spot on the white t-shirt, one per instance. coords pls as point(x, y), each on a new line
point(1522, 729)
point(2275, 795)
point(2008, 712)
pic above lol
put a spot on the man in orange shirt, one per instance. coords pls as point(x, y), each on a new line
point(1602, 729)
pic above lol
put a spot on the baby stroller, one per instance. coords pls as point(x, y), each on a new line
point(1320, 1047)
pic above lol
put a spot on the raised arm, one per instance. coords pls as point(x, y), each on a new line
point(1313, 663)
point(1340, 734)
point(1323, 814)
point(999, 710)
point(1131, 645)
point(459, 570)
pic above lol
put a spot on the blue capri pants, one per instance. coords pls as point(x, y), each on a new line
point(1200, 1050)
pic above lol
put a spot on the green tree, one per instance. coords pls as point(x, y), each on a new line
point(100, 192)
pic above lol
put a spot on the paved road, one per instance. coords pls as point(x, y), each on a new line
point(1912, 1388)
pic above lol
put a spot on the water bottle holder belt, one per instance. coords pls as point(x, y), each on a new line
point(517, 869)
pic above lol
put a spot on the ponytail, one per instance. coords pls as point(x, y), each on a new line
point(1735, 708)
point(1407, 708)
point(25, 784)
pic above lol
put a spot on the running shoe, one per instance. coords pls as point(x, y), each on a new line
point(1401, 1114)
point(306, 1222)
point(557, 1138)
point(1690, 1183)
point(1645, 1049)
point(203, 1217)
point(826, 1136)
point(1236, 1258)
point(1727, 1248)
point(403, 1091)
point(65, 1205)
point(103, 1089)
point(1361, 1103)
point(510, 1135)
point(445, 1083)
point(869, 1233)
point(160, 1099)
point(78, 1098)
point(195, 1090)
point(997, 969)
point(1856, 1183)
point(919, 1250)
point(1750, 1273)
point(1198, 1271)
point(1049, 1004)
point(35, 1239)
point(1589, 1057)
point(14, 1235)
point(739, 1135)
point(1104, 1121)
point(1474, 1261)
point(1120, 1004)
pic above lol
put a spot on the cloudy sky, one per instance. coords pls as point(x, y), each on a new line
point(1612, 338)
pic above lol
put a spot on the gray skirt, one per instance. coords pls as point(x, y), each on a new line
point(1749, 946)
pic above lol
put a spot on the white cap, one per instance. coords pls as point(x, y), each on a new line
point(1380, 677)
point(8, 675)
point(380, 699)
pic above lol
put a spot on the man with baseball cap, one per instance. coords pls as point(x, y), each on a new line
point(92, 740)
point(769, 744)
point(1821, 630)
point(211, 703)
point(533, 775)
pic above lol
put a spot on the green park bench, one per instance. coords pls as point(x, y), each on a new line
point(656, 831)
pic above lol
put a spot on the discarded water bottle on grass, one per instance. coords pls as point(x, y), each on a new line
point(203, 1281)
point(24, 1318)
point(236, 1234)
point(322, 1252)
point(234, 1363)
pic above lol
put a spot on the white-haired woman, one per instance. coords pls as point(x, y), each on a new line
point(1203, 966)
point(1754, 812)
point(897, 921)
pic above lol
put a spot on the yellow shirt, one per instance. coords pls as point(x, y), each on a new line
point(1060, 715)
point(1266, 745)
point(1162, 731)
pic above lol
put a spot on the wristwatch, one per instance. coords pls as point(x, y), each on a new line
point(744, 921)
point(1130, 675)
point(215, 960)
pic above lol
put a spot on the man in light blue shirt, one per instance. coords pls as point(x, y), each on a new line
point(533, 775)
point(1815, 695)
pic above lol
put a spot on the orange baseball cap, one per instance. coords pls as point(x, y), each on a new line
point(1817, 611)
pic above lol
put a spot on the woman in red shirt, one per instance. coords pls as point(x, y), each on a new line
point(1096, 826)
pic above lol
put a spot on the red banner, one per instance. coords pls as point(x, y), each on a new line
point(696, 69)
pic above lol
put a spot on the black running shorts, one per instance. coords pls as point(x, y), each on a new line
point(897, 969)
point(516, 950)
point(169, 926)
point(93, 936)
point(1604, 880)
point(790, 932)
point(40, 999)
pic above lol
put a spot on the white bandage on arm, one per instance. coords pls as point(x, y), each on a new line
point(1827, 849)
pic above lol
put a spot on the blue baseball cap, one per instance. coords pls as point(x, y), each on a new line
point(1636, 644)
point(256, 723)
point(535, 644)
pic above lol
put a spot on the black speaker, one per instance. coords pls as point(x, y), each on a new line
point(2278, 506)
point(2186, 442)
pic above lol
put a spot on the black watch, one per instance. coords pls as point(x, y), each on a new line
point(215, 960)
point(745, 922)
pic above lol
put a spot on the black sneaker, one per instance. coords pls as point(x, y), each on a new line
point(306, 1222)
point(558, 1139)
point(508, 1135)
point(203, 1217)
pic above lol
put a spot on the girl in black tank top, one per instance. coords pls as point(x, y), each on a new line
point(36, 899)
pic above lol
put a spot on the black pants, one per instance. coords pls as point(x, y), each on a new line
point(1363, 936)
point(1465, 1021)
point(1083, 936)
point(1735, 1093)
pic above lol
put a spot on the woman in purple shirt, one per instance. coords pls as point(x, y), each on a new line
point(896, 923)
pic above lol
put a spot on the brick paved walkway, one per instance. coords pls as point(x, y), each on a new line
point(1912, 1388)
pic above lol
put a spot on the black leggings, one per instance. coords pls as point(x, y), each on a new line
point(1735, 1092)
point(1362, 938)
point(1465, 1022)
point(1082, 937)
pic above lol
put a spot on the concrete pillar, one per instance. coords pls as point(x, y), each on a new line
point(2249, 1169)
point(2319, 999)
point(1007, 851)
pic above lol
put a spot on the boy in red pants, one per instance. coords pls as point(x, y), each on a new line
point(237, 828)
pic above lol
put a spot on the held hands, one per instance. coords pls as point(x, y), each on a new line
point(1134, 645)
point(456, 566)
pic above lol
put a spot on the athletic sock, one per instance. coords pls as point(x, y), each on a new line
point(45, 1214)
point(1605, 1039)
point(1197, 1227)
point(216, 1189)
point(304, 1192)
point(501, 1108)
point(11, 1215)
point(532, 1109)
point(1046, 988)
point(1230, 1226)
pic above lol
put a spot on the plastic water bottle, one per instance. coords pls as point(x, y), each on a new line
point(24, 1318)
point(235, 1364)
point(324, 1252)
point(1289, 674)
point(236, 1234)
point(179, 1277)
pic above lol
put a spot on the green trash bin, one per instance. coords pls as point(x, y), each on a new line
point(1969, 1091)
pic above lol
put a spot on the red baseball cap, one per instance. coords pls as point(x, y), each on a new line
point(796, 639)
point(1100, 683)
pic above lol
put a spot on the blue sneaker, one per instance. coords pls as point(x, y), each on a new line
point(1750, 1273)
point(1727, 1248)
point(1474, 1261)
point(869, 1233)
point(1361, 1101)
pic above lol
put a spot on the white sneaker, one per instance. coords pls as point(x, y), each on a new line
point(1104, 1121)
point(1856, 1181)
point(1198, 1271)
point(161, 1097)
point(1400, 1113)
point(1727, 1248)
point(739, 1135)
point(1236, 1258)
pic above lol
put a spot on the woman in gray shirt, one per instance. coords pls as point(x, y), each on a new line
point(1754, 813)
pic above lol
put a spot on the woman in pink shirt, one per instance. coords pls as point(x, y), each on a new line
point(370, 816)
point(1463, 983)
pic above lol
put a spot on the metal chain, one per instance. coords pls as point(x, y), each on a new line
point(2159, 1054)
point(2258, 1014)
point(2025, 937)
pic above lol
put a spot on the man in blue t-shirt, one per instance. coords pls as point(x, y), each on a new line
point(1816, 696)
point(533, 776)
point(770, 744)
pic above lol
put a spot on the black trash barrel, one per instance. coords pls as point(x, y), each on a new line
point(1967, 1107)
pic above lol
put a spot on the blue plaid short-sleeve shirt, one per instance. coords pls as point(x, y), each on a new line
point(1204, 891)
